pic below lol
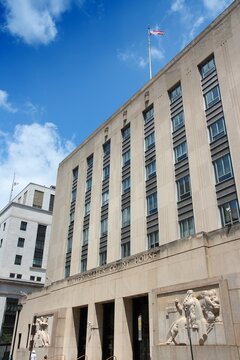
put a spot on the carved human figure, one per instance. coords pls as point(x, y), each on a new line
point(41, 338)
point(178, 327)
point(210, 305)
point(194, 314)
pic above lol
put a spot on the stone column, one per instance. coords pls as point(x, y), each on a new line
point(94, 332)
point(123, 329)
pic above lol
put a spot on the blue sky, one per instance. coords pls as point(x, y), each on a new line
point(67, 65)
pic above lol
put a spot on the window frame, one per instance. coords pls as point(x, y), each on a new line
point(126, 216)
point(183, 187)
point(189, 230)
point(85, 236)
point(183, 155)
point(125, 249)
point(23, 225)
point(148, 114)
point(104, 227)
point(18, 259)
point(209, 69)
point(226, 169)
point(220, 133)
point(176, 124)
point(213, 101)
point(126, 133)
point(151, 174)
point(126, 185)
point(21, 242)
point(149, 141)
point(152, 205)
point(172, 96)
point(126, 158)
point(106, 172)
point(153, 239)
point(105, 197)
point(224, 208)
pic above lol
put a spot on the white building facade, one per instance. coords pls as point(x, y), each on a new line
point(25, 225)
point(145, 241)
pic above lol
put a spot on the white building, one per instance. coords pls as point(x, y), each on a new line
point(25, 225)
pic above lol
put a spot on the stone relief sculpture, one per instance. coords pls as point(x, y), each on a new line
point(41, 337)
point(198, 313)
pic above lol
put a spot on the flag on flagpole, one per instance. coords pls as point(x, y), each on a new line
point(156, 32)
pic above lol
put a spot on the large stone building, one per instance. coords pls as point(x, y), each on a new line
point(25, 225)
point(146, 238)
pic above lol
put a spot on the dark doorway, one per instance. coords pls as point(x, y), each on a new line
point(141, 348)
point(82, 331)
point(108, 331)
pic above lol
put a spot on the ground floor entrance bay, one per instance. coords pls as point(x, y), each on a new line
point(162, 304)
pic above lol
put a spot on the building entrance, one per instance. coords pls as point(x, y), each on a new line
point(108, 331)
point(141, 348)
point(82, 331)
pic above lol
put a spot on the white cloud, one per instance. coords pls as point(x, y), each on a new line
point(33, 152)
point(4, 103)
point(34, 21)
point(130, 56)
point(178, 5)
point(157, 54)
point(198, 22)
point(215, 6)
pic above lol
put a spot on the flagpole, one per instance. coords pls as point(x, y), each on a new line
point(149, 54)
point(11, 192)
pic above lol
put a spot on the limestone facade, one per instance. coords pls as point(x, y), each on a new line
point(144, 254)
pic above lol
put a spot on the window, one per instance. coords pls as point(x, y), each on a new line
point(83, 265)
point(153, 239)
point(69, 244)
point(126, 158)
point(175, 93)
point(187, 227)
point(178, 121)
point(106, 171)
point(125, 249)
point(67, 270)
point(104, 227)
point(74, 195)
point(149, 141)
point(229, 212)
point(24, 197)
point(12, 275)
point(105, 197)
point(4, 226)
point(212, 97)
point(51, 202)
point(126, 217)
point(71, 218)
point(87, 209)
point(207, 67)
point(23, 225)
point(152, 204)
point(89, 184)
point(148, 115)
point(19, 276)
point(39, 278)
point(183, 188)
point(126, 185)
point(85, 236)
point(223, 168)
point(18, 260)
point(106, 148)
point(21, 242)
point(151, 170)
point(102, 258)
point(32, 278)
point(217, 129)
point(39, 246)
point(126, 133)
point(38, 199)
point(90, 161)
point(180, 151)
point(75, 173)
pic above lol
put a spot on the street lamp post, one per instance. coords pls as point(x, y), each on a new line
point(187, 313)
point(19, 308)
